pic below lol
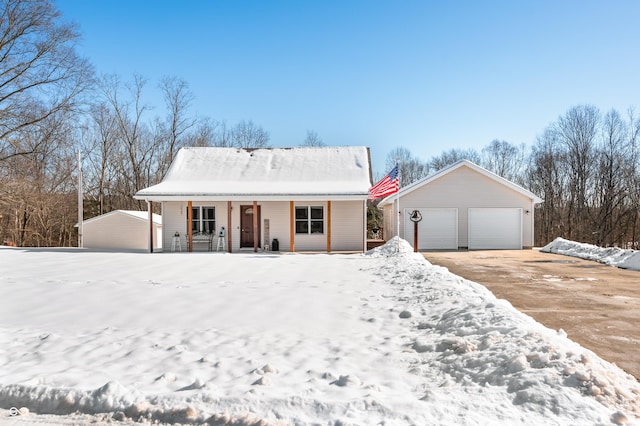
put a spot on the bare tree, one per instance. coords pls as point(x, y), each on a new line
point(545, 176)
point(313, 139)
point(453, 155)
point(177, 99)
point(100, 141)
point(410, 168)
point(136, 146)
point(607, 205)
point(202, 134)
point(35, 188)
point(578, 130)
point(505, 159)
point(246, 134)
point(632, 178)
point(40, 72)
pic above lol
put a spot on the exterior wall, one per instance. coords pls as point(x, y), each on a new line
point(347, 224)
point(118, 231)
point(278, 215)
point(465, 188)
point(176, 221)
point(389, 221)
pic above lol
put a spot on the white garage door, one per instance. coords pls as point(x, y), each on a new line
point(495, 228)
point(438, 229)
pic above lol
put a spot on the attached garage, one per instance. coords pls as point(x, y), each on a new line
point(463, 206)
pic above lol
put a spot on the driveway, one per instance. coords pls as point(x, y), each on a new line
point(597, 305)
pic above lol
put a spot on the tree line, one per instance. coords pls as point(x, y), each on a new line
point(53, 105)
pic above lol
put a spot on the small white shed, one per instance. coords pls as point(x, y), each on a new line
point(463, 206)
point(122, 229)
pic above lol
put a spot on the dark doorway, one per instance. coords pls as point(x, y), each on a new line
point(246, 226)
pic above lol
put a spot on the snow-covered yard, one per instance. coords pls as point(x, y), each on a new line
point(376, 338)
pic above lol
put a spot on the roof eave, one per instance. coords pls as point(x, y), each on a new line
point(164, 197)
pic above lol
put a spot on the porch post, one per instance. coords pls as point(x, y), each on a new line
point(255, 226)
point(329, 226)
point(189, 230)
point(229, 226)
point(292, 229)
point(150, 205)
point(364, 226)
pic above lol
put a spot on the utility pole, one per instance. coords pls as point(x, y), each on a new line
point(80, 201)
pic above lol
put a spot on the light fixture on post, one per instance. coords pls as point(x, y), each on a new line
point(415, 217)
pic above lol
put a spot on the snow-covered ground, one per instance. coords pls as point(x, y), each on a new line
point(622, 258)
point(243, 339)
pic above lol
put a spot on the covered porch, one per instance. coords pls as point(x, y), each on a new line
point(313, 225)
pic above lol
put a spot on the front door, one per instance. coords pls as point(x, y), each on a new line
point(246, 226)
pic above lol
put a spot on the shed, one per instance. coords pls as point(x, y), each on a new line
point(121, 229)
point(463, 206)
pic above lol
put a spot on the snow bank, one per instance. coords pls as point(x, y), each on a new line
point(376, 338)
point(621, 258)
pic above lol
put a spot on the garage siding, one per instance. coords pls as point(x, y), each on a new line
point(464, 188)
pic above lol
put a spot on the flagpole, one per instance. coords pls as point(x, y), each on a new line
point(80, 203)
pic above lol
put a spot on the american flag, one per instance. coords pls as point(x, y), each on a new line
point(386, 186)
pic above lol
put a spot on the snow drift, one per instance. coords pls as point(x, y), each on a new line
point(614, 256)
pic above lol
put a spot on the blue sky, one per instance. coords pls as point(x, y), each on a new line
point(425, 75)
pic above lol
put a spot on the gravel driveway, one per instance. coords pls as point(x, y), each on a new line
point(597, 305)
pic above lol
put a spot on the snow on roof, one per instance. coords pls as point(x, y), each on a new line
point(269, 172)
point(143, 215)
point(424, 181)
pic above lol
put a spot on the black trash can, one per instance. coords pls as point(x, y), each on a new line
point(275, 245)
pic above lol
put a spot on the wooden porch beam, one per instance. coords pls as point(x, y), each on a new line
point(150, 226)
point(189, 230)
point(292, 229)
point(255, 226)
point(329, 226)
point(229, 226)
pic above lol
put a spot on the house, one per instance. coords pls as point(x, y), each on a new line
point(463, 206)
point(285, 199)
point(121, 229)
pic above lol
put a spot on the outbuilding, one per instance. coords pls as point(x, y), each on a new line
point(121, 230)
point(463, 206)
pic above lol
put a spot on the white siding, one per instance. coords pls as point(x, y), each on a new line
point(347, 224)
point(117, 231)
point(277, 213)
point(464, 188)
point(174, 217)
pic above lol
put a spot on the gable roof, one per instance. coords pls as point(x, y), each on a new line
point(139, 215)
point(461, 163)
point(214, 173)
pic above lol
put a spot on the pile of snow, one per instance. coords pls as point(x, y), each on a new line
point(265, 339)
point(614, 256)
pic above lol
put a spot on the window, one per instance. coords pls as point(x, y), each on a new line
point(203, 219)
point(309, 220)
